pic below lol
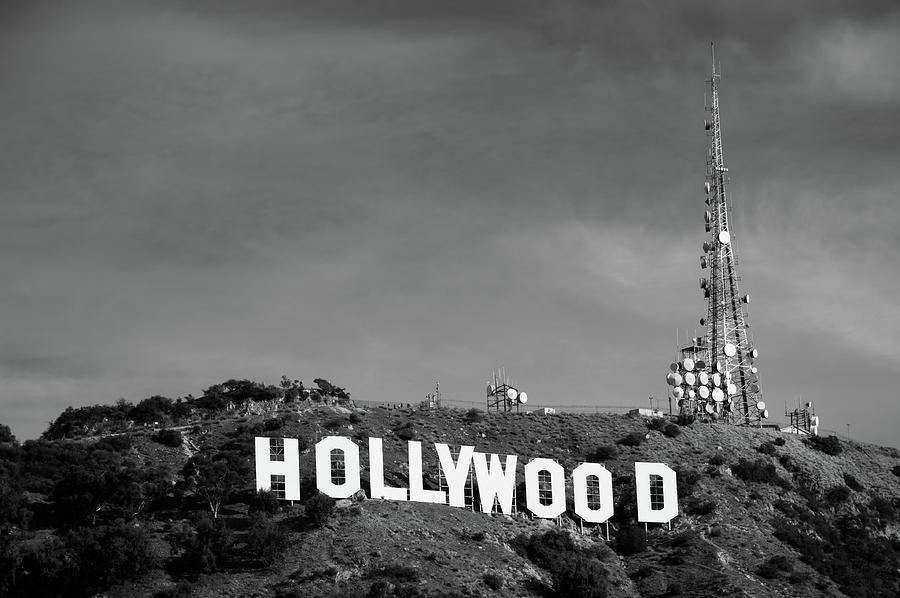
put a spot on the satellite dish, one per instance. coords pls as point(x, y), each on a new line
point(717, 395)
point(703, 378)
point(706, 187)
point(717, 379)
point(729, 350)
point(680, 403)
point(745, 298)
point(707, 216)
point(678, 392)
point(753, 370)
point(690, 379)
point(673, 367)
point(814, 420)
point(490, 389)
point(670, 379)
point(754, 387)
point(700, 365)
point(719, 366)
point(727, 376)
point(706, 247)
point(724, 237)
point(760, 405)
point(688, 364)
point(691, 394)
point(709, 408)
point(512, 393)
point(703, 261)
point(703, 321)
point(523, 397)
point(704, 392)
point(707, 126)
point(754, 353)
point(808, 405)
point(702, 283)
point(765, 414)
point(732, 389)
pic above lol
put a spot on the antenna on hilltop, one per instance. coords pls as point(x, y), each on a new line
point(716, 376)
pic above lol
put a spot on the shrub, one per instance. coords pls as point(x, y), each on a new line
point(717, 459)
point(657, 423)
point(896, 470)
point(632, 439)
point(265, 501)
point(273, 424)
point(603, 453)
point(672, 430)
point(319, 509)
point(830, 445)
point(699, 506)
point(759, 471)
point(766, 448)
point(334, 423)
point(580, 577)
point(852, 483)
point(171, 438)
point(265, 540)
point(771, 568)
point(204, 544)
point(405, 433)
point(631, 540)
point(837, 494)
point(493, 581)
point(474, 415)
point(780, 441)
point(685, 419)
point(355, 418)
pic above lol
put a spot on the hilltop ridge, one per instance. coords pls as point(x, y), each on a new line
point(761, 513)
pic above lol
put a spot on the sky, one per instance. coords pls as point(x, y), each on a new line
point(389, 193)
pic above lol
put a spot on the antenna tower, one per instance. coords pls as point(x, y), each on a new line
point(716, 375)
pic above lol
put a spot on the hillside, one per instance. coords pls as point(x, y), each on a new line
point(123, 515)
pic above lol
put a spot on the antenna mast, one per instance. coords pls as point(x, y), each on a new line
point(730, 388)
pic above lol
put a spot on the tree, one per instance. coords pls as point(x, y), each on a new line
point(205, 543)
point(265, 540)
point(6, 435)
point(214, 479)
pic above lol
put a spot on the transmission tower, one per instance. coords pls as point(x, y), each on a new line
point(716, 375)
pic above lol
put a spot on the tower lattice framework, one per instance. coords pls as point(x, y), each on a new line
point(717, 376)
point(728, 340)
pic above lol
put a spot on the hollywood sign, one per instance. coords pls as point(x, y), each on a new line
point(655, 483)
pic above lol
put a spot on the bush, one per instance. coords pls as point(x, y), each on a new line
point(853, 483)
point(896, 470)
point(632, 439)
point(171, 438)
point(672, 430)
point(766, 448)
point(265, 501)
point(474, 415)
point(631, 540)
point(837, 494)
point(493, 581)
point(780, 441)
point(183, 589)
point(657, 423)
point(685, 419)
point(830, 445)
point(204, 544)
point(580, 577)
point(759, 471)
point(319, 509)
point(334, 423)
point(265, 540)
point(771, 568)
point(699, 506)
point(603, 453)
point(405, 433)
point(717, 459)
point(355, 418)
point(273, 424)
